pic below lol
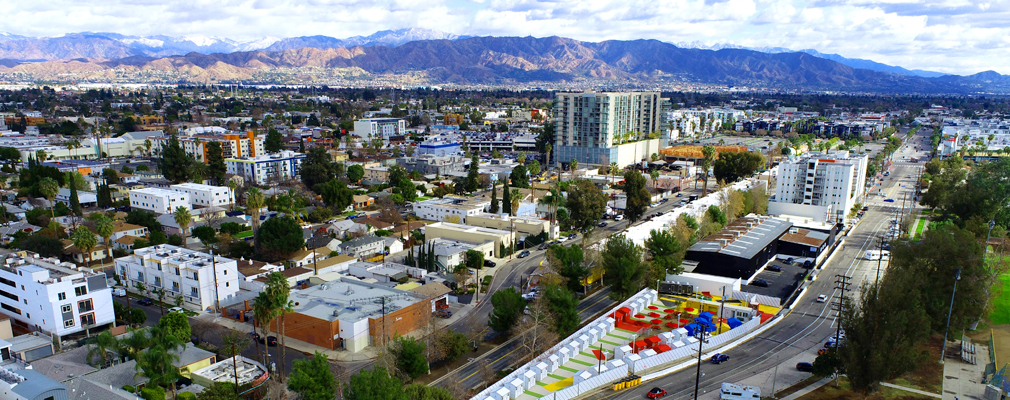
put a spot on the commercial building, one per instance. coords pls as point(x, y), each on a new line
point(439, 147)
point(440, 209)
point(471, 234)
point(201, 279)
point(821, 186)
point(602, 128)
point(206, 195)
point(261, 169)
point(430, 164)
point(522, 226)
point(350, 314)
point(52, 296)
point(380, 127)
point(740, 248)
point(160, 201)
point(27, 384)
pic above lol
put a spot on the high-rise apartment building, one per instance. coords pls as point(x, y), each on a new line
point(601, 128)
point(822, 186)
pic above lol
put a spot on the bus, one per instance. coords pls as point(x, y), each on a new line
point(874, 255)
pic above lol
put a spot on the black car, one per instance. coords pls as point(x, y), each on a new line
point(145, 302)
point(760, 283)
point(602, 224)
point(865, 208)
point(272, 341)
point(524, 254)
point(805, 367)
point(544, 246)
point(774, 268)
point(490, 264)
point(573, 236)
point(255, 337)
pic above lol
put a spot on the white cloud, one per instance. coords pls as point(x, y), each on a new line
point(956, 36)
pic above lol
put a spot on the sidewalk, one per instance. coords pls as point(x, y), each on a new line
point(337, 355)
point(963, 380)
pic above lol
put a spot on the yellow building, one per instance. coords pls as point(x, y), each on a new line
point(452, 119)
point(470, 234)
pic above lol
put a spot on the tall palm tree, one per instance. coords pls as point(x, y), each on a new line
point(100, 346)
point(655, 178)
point(263, 312)
point(613, 171)
point(183, 218)
point(157, 365)
point(548, 147)
point(516, 197)
point(232, 185)
point(104, 227)
point(49, 188)
point(253, 203)
point(133, 343)
point(278, 290)
point(85, 241)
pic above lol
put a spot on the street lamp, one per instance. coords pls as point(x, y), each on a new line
point(957, 277)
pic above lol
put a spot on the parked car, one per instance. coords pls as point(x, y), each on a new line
point(774, 268)
point(822, 298)
point(176, 310)
point(822, 352)
point(656, 393)
point(805, 367)
point(119, 292)
point(572, 235)
point(272, 341)
point(145, 302)
point(490, 264)
point(255, 337)
point(790, 260)
point(524, 254)
point(443, 314)
point(619, 217)
point(602, 224)
point(866, 208)
point(760, 283)
point(561, 239)
point(719, 358)
point(545, 246)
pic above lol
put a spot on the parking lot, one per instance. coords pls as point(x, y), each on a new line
point(782, 283)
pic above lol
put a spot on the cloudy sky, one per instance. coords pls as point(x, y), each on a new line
point(952, 36)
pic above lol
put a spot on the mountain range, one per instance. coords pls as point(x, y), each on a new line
point(428, 57)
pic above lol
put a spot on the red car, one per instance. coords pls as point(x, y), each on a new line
point(656, 393)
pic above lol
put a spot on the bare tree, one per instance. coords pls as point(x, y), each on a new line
point(455, 387)
point(486, 373)
point(536, 330)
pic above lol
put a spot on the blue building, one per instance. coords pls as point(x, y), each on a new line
point(439, 147)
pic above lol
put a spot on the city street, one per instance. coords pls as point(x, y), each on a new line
point(809, 323)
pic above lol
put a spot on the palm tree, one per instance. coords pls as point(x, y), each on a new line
point(104, 227)
point(655, 178)
point(49, 188)
point(183, 218)
point(516, 197)
point(232, 185)
point(147, 145)
point(160, 292)
point(613, 171)
point(278, 290)
point(85, 241)
point(573, 165)
point(521, 158)
point(100, 346)
point(263, 312)
point(157, 365)
point(548, 147)
point(253, 203)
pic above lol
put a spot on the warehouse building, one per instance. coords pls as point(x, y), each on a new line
point(740, 248)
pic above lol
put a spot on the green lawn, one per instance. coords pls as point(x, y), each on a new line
point(1001, 305)
point(422, 198)
point(919, 227)
point(243, 235)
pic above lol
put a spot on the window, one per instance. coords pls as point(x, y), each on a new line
point(68, 323)
point(85, 306)
point(81, 290)
point(66, 308)
point(62, 296)
point(88, 319)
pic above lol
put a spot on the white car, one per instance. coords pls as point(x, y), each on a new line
point(562, 239)
point(822, 298)
point(175, 310)
point(619, 217)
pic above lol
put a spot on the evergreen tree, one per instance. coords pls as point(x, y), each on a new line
point(215, 162)
point(494, 199)
point(506, 200)
point(174, 162)
point(473, 174)
point(273, 142)
point(75, 202)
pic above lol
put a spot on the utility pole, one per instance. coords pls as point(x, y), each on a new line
point(722, 306)
point(701, 344)
point(841, 283)
point(315, 266)
point(880, 257)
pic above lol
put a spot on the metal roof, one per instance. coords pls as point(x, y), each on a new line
point(755, 238)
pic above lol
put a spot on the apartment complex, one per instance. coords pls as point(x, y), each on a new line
point(161, 201)
point(206, 195)
point(472, 234)
point(430, 164)
point(440, 209)
point(261, 169)
point(200, 278)
point(380, 127)
point(601, 128)
point(233, 144)
point(52, 296)
point(821, 186)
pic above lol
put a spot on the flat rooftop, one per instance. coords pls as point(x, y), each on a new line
point(744, 237)
point(177, 255)
point(350, 300)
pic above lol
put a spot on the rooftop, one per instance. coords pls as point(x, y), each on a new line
point(225, 370)
point(350, 300)
point(177, 255)
point(805, 236)
point(744, 237)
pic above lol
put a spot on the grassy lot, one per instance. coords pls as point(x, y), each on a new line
point(243, 235)
point(919, 227)
point(842, 392)
point(927, 377)
point(1001, 304)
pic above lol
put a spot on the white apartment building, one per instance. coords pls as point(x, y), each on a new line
point(261, 169)
point(988, 134)
point(820, 186)
point(206, 195)
point(52, 296)
point(440, 209)
point(601, 128)
point(380, 127)
point(161, 201)
point(184, 272)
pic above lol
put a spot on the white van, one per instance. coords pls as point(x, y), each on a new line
point(874, 255)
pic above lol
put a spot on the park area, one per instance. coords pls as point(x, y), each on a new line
point(926, 377)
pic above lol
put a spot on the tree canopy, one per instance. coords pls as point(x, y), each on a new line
point(638, 196)
point(508, 306)
point(279, 237)
point(622, 260)
point(586, 204)
point(731, 166)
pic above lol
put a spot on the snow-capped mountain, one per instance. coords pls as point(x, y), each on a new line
point(381, 38)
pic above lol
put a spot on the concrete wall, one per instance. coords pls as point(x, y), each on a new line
point(309, 329)
point(399, 322)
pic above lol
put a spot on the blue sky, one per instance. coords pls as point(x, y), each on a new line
point(952, 36)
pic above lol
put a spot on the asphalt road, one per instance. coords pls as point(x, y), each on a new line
point(810, 323)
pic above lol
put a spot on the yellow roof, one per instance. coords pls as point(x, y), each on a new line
point(407, 286)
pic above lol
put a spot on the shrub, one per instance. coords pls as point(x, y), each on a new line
point(152, 393)
point(186, 396)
